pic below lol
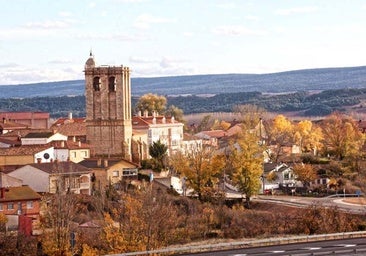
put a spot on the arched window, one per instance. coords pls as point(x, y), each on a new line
point(112, 84)
point(96, 83)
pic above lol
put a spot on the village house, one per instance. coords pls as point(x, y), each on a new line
point(165, 129)
point(110, 170)
point(73, 128)
point(9, 126)
point(34, 120)
point(21, 206)
point(190, 144)
point(26, 154)
point(74, 151)
point(55, 176)
point(284, 177)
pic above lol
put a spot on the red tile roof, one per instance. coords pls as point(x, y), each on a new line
point(10, 141)
point(146, 121)
point(71, 129)
point(61, 167)
point(24, 150)
point(24, 132)
point(63, 121)
point(24, 115)
point(93, 162)
point(69, 144)
point(10, 125)
point(22, 193)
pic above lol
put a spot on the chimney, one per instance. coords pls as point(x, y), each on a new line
point(79, 143)
point(70, 116)
point(99, 162)
point(139, 113)
point(105, 162)
point(173, 119)
point(74, 139)
point(146, 113)
point(163, 120)
point(62, 144)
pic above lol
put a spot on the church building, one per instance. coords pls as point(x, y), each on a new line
point(108, 109)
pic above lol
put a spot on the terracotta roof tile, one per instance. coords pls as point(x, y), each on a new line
point(61, 167)
point(63, 121)
point(93, 162)
point(8, 125)
point(24, 132)
point(10, 141)
point(145, 121)
point(19, 194)
point(25, 150)
point(69, 144)
point(24, 115)
point(71, 129)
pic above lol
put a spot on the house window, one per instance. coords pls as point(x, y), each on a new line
point(74, 154)
point(286, 176)
point(129, 172)
point(10, 206)
point(29, 204)
point(115, 174)
point(85, 153)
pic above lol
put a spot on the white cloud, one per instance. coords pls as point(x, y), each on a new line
point(92, 4)
point(9, 65)
point(296, 10)
point(22, 33)
point(20, 75)
point(226, 5)
point(252, 18)
point(134, 59)
point(130, 1)
point(188, 34)
point(60, 61)
point(65, 14)
point(49, 24)
point(116, 37)
point(237, 31)
point(144, 21)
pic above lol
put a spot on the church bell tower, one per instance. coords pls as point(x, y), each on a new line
point(108, 109)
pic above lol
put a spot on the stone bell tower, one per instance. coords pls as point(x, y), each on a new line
point(108, 109)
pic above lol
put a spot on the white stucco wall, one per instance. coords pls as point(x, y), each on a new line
point(36, 179)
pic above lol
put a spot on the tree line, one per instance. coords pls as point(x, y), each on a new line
point(312, 104)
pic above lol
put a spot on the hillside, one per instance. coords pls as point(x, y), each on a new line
point(283, 82)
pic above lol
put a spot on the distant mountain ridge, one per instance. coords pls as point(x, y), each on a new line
point(281, 82)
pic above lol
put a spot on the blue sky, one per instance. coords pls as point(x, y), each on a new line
point(42, 40)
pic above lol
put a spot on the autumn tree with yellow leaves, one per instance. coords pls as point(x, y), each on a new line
point(246, 160)
point(305, 173)
point(202, 169)
point(151, 102)
point(280, 134)
point(308, 136)
point(342, 137)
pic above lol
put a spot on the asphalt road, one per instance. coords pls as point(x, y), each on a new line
point(306, 201)
point(356, 246)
